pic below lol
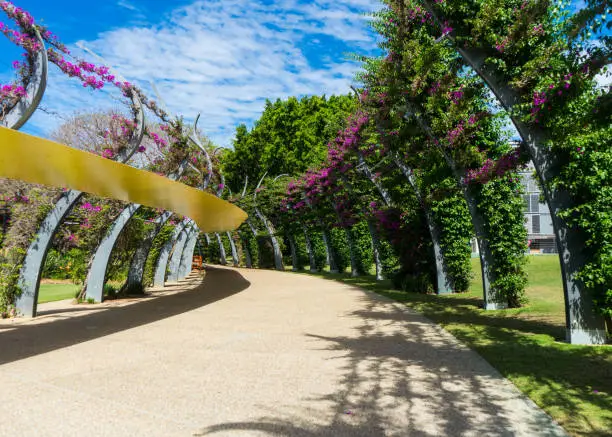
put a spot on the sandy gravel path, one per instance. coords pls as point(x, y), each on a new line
point(251, 353)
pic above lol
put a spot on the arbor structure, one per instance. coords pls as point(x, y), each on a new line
point(397, 181)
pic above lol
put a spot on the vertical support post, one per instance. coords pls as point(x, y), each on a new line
point(222, 255)
point(333, 267)
point(187, 255)
point(278, 256)
point(177, 253)
point(376, 250)
point(233, 248)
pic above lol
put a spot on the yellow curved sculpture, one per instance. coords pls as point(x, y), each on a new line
point(36, 160)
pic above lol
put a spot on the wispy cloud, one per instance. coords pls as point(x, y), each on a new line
point(224, 58)
point(127, 5)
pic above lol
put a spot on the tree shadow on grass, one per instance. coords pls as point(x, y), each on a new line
point(402, 376)
point(32, 339)
point(455, 308)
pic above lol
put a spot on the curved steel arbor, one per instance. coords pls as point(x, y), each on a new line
point(583, 325)
point(31, 270)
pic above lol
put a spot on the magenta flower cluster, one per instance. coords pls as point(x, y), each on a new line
point(9, 92)
point(456, 96)
point(493, 169)
point(91, 76)
point(157, 139)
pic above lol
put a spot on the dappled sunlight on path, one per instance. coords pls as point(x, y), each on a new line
point(257, 353)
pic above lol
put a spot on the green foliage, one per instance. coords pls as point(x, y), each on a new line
point(362, 241)
point(227, 247)
point(110, 291)
point(266, 252)
point(10, 263)
point(29, 206)
point(159, 241)
point(290, 136)
point(56, 266)
point(302, 254)
point(453, 222)
point(69, 265)
point(502, 208)
point(123, 252)
point(213, 251)
point(318, 248)
point(248, 243)
point(340, 248)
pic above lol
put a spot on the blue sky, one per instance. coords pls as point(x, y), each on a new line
point(222, 58)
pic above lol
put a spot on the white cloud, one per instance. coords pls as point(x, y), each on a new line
point(224, 58)
point(127, 5)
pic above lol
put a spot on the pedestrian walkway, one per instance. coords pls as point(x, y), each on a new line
point(251, 353)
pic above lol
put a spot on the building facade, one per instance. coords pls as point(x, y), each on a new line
point(538, 221)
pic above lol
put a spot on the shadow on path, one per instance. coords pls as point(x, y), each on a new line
point(32, 339)
point(403, 376)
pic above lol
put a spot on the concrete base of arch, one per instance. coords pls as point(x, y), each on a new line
point(586, 336)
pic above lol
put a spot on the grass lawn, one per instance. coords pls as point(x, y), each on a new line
point(53, 292)
point(572, 383)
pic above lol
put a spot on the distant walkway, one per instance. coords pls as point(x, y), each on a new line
point(251, 353)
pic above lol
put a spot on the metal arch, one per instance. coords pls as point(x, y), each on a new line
point(187, 255)
point(233, 248)
point(19, 114)
point(34, 261)
point(222, 254)
point(278, 256)
point(583, 325)
point(492, 301)
point(164, 255)
point(444, 281)
point(177, 253)
point(94, 284)
point(138, 134)
point(96, 277)
point(195, 140)
point(139, 260)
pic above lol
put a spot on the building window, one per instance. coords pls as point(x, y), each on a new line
point(535, 203)
point(535, 222)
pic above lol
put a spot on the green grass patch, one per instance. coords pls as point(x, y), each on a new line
point(572, 383)
point(55, 292)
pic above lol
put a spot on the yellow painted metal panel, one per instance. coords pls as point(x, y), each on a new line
point(36, 160)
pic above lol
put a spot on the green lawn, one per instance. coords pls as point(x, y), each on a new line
point(572, 383)
point(53, 292)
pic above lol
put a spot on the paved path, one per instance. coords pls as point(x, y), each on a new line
point(251, 353)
